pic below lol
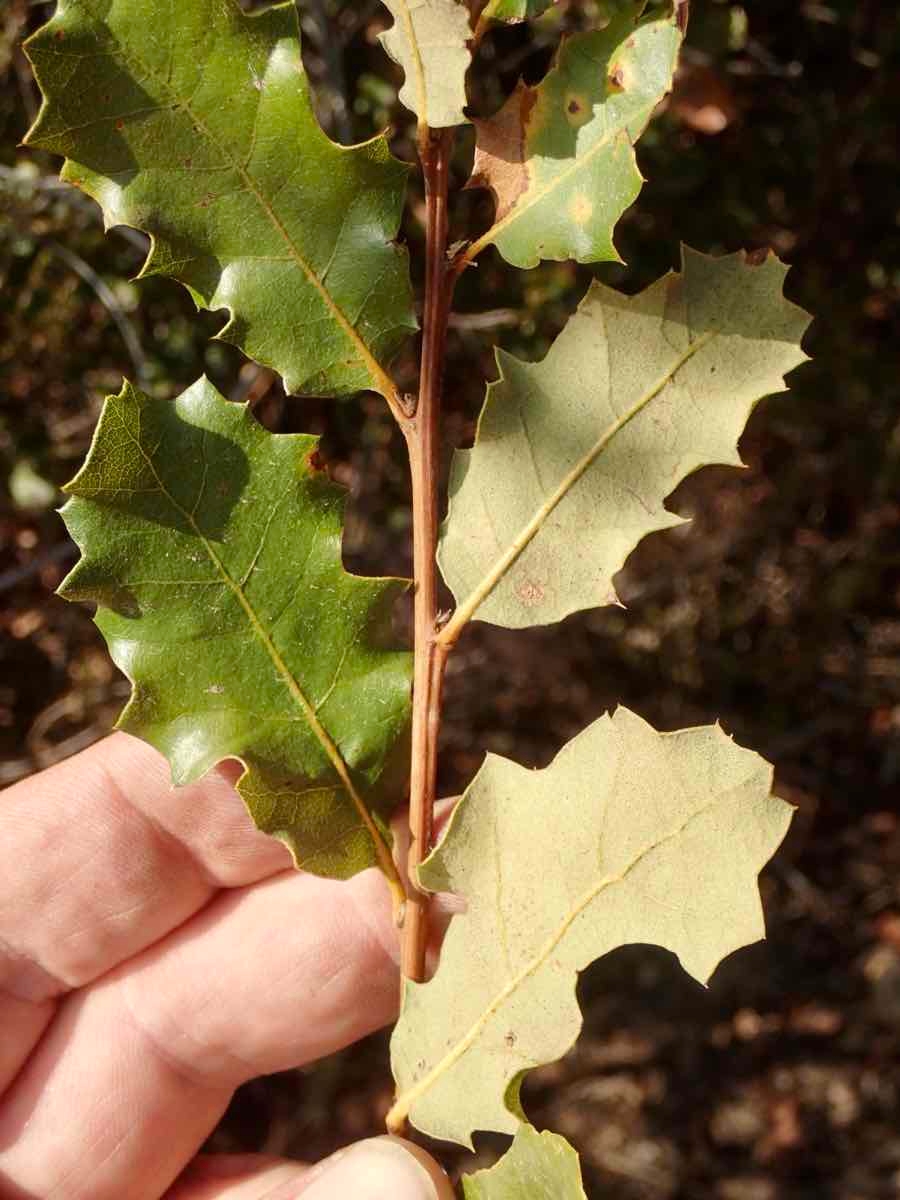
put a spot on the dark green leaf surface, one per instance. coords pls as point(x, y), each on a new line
point(514, 10)
point(192, 121)
point(213, 549)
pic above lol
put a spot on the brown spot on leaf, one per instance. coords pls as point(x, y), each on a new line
point(578, 109)
point(120, 124)
point(616, 78)
point(510, 1039)
point(207, 200)
point(59, 35)
point(315, 461)
point(530, 593)
point(501, 150)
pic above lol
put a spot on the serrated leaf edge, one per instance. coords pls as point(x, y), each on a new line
point(382, 849)
point(381, 381)
point(420, 75)
point(468, 608)
point(405, 1100)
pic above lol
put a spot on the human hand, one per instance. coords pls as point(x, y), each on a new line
point(156, 951)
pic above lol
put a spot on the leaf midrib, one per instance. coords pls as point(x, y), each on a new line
point(379, 376)
point(418, 63)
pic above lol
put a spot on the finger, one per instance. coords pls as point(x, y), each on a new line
point(136, 1070)
point(102, 856)
point(371, 1170)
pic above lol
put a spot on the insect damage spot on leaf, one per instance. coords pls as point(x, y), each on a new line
point(530, 593)
point(578, 109)
point(616, 78)
point(580, 208)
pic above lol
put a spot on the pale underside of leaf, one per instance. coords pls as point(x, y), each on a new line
point(537, 1166)
point(559, 156)
point(429, 39)
point(194, 124)
point(575, 455)
point(213, 551)
point(628, 836)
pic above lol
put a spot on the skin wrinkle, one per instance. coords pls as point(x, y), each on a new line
point(177, 1063)
point(169, 840)
point(53, 985)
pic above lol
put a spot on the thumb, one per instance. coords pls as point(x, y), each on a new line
point(384, 1168)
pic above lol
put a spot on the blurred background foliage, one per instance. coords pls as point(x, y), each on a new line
point(775, 610)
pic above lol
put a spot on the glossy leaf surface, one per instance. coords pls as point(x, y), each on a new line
point(537, 1166)
point(559, 157)
point(514, 10)
point(429, 39)
point(213, 550)
point(628, 836)
point(192, 121)
point(575, 455)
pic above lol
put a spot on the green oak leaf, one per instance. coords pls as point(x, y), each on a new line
point(537, 1166)
point(192, 121)
point(429, 39)
point(559, 157)
point(575, 455)
point(514, 10)
point(213, 550)
point(628, 836)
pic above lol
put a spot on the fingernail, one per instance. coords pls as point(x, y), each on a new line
point(380, 1169)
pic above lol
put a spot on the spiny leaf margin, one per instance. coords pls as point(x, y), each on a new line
point(628, 836)
point(213, 551)
point(195, 125)
point(575, 455)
